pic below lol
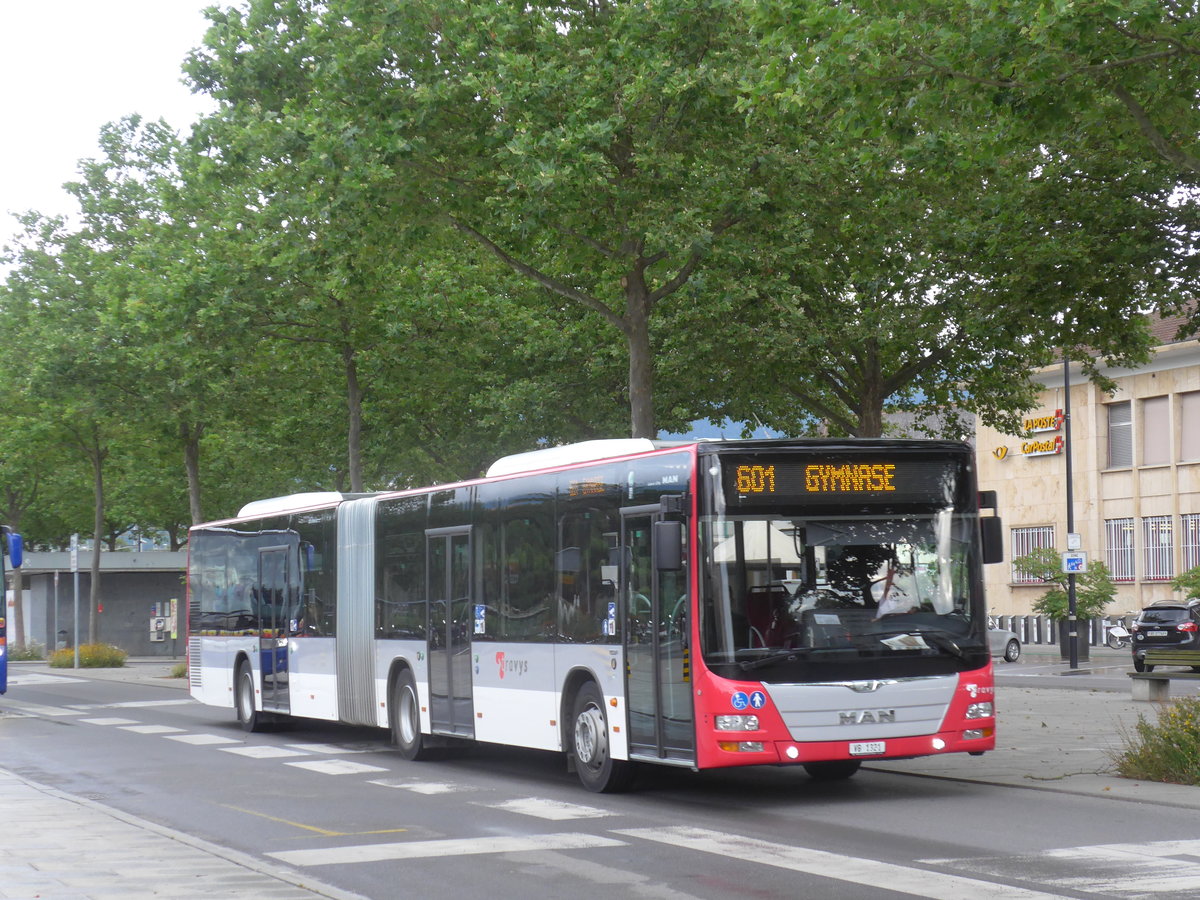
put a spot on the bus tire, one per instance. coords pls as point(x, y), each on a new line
point(590, 747)
point(832, 770)
point(404, 715)
point(243, 699)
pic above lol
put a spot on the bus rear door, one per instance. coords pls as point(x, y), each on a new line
point(274, 605)
point(451, 618)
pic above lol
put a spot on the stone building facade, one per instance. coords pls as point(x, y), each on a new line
point(1135, 460)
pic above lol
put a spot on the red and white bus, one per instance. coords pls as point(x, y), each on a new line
point(709, 604)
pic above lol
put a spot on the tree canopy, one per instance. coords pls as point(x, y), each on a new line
point(414, 237)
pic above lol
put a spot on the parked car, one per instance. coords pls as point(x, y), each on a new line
point(1166, 624)
point(1004, 643)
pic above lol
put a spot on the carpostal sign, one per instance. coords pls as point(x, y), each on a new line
point(1048, 446)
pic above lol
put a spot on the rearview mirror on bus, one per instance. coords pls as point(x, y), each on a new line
point(668, 546)
point(991, 531)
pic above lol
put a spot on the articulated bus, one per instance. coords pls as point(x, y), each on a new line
point(729, 603)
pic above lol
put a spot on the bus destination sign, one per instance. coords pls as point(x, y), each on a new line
point(763, 479)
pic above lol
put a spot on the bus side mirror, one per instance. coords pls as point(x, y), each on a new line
point(991, 531)
point(668, 546)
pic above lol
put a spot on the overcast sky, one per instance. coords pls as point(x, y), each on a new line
point(69, 66)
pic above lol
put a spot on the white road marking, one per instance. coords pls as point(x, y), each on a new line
point(261, 752)
point(337, 767)
point(151, 729)
point(135, 704)
point(200, 739)
point(1152, 869)
point(553, 810)
point(334, 749)
point(855, 870)
point(33, 709)
point(420, 787)
point(110, 721)
point(38, 678)
point(434, 849)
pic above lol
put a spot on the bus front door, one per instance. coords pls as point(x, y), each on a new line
point(274, 602)
point(451, 619)
point(658, 680)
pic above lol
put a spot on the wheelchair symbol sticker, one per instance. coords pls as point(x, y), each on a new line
point(739, 700)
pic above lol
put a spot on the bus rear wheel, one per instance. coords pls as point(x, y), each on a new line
point(594, 765)
point(243, 700)
point(404, 714)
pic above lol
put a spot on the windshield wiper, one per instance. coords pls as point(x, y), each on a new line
point(749, 665)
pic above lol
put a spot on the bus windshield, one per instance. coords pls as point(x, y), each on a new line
point(841, 593)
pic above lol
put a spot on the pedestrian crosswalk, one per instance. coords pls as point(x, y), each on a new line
point(1154, 870)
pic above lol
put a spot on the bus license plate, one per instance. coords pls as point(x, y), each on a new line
point(868, 748)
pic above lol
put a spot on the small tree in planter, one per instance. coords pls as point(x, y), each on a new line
point(1094, 589)
point(1188, 582)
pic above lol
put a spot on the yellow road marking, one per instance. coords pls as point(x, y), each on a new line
point(325, 832)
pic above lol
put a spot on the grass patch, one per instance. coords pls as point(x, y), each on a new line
point(91, 656)
point(1165, 750)
point(179, 670)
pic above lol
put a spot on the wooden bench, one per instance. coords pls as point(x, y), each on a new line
point(1155, 686)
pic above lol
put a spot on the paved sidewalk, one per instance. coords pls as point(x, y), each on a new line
point(70, 848)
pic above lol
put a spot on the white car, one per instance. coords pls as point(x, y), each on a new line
point(1004, 643)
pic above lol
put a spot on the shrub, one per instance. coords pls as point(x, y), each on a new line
point(91, 656)
point(31, 651)
point(179, 670)
point(1167, 750)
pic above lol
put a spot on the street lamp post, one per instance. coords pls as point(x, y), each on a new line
point(1072, 624)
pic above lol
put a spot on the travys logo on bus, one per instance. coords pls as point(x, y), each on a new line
point(514, 666)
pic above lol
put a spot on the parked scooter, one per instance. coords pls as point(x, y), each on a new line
point(1117, 636)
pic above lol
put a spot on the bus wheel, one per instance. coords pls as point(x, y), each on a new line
point(243, 700)
point(404, 713)
point(832, 770)
point(595, 766)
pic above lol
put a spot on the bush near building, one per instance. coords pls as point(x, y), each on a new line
point(91, 656)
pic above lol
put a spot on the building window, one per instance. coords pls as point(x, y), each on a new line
point(1118, 548)
point(1190, 528)
point(1158, 547)
point(1156, 432)
point(1025, 541)
point(1189, 426)
point(1120, 435)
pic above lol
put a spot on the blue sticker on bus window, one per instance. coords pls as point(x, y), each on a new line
point(758, 700)
point(739, 700)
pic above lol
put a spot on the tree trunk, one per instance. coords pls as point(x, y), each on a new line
point(97, 455)
point(354, 398)
point(16, 634)
point(641, 358)
point(870, 410)
point(190, 436)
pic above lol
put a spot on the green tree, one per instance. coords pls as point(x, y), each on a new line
point(1094, 588)
point(592, 148)
point(1188, 582)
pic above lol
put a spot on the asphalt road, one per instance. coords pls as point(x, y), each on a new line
point(338, 804)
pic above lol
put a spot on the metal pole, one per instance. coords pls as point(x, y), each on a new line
point(1072, 625)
